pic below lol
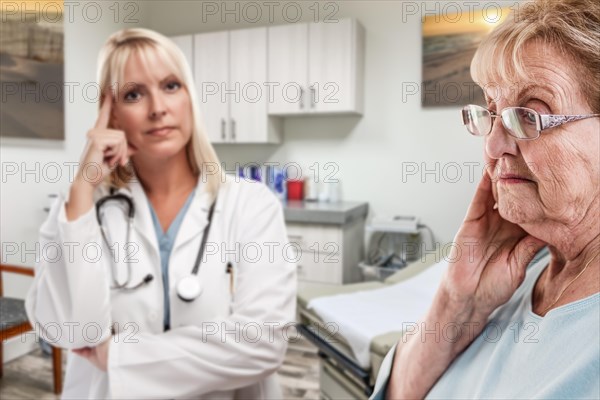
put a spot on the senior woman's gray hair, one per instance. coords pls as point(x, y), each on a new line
point(570, 26)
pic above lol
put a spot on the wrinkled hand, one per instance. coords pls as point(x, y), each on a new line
point(490, 256)
point(98, 355)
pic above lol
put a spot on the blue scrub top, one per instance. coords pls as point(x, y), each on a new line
point(165, 245)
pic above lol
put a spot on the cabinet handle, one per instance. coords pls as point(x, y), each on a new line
point(232, 129)
point(301, 98)
point(313, 96)
point(223, 123)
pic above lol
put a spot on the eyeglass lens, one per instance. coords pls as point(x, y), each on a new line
point(520, 122)
point(477, 119)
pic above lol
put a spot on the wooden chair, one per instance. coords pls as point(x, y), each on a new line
point(13, 322)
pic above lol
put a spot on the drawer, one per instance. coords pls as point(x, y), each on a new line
point(317, 267)
point(316, 238)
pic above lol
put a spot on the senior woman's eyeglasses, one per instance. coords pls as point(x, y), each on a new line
point(520, 122)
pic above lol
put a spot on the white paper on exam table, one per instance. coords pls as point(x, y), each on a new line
point(361, 316)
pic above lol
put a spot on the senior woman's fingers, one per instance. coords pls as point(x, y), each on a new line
point(523, 253)
point(483, 201)
point(490, 169)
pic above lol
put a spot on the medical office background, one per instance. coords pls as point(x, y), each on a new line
point(398, 156)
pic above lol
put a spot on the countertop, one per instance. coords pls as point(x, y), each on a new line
point(339, 213)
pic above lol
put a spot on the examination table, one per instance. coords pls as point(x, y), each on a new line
point(342, 376)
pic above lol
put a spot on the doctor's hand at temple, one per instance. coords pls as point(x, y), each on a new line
point(105, 149)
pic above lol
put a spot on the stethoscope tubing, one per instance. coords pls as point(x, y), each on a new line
point(119, 197)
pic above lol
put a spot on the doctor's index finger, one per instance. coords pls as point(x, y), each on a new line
point(105, 109)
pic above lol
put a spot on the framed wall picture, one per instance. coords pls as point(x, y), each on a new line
point(32, 70)
point(449, 44)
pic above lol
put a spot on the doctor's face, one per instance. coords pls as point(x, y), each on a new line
point(153, 107)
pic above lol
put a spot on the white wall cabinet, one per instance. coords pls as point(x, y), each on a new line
point(211, 74)
point(288, 69)
point(230, 71)
point(318, 67)
point(249, 120)
point(243, 77)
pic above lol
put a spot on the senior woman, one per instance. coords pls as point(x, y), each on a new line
point(501, 326)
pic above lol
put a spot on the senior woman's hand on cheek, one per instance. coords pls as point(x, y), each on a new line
point(98, 355)
point(489, 258)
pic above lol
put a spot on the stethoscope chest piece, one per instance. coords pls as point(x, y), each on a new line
point(189, 288)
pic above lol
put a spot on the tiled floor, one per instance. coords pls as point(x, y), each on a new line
point(30, 376)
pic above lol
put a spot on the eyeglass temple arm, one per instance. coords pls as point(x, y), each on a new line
point(552, 121)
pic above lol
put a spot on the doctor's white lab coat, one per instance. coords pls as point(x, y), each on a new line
point(226, 344)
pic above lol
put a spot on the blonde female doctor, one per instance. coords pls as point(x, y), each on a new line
point(173, 281)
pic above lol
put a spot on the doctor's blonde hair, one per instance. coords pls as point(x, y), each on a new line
point(111, 66)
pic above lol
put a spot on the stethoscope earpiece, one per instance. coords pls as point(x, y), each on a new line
point(189, 288)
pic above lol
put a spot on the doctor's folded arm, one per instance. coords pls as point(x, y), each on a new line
point(165, 304)
point(518, 317)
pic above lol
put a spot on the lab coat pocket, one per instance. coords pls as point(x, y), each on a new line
point(214, 303)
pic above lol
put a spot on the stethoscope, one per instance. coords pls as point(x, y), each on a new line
point(189, 287)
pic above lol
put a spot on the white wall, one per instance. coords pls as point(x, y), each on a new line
point(370, 151)
point(24, 195)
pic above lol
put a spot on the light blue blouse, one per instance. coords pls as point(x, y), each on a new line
point(165, 245)
point(521, 355)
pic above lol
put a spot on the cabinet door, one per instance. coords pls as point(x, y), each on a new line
point(288, 69)
point(317, 267)
point(186, 44)
point(248, 102)
point(211, 73)
point(335, 66)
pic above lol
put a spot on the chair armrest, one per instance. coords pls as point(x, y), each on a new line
point(16, 269)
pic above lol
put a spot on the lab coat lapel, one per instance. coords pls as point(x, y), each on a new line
point(193, 223)
point(196, 217)
point(142, 220)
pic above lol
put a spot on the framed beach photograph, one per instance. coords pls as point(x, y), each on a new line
point(32, 70)
point(449, 44)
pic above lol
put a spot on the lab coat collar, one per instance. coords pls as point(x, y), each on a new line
point(193, 223)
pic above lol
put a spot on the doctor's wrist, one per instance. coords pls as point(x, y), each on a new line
point(81, 199)
point(83, 185)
